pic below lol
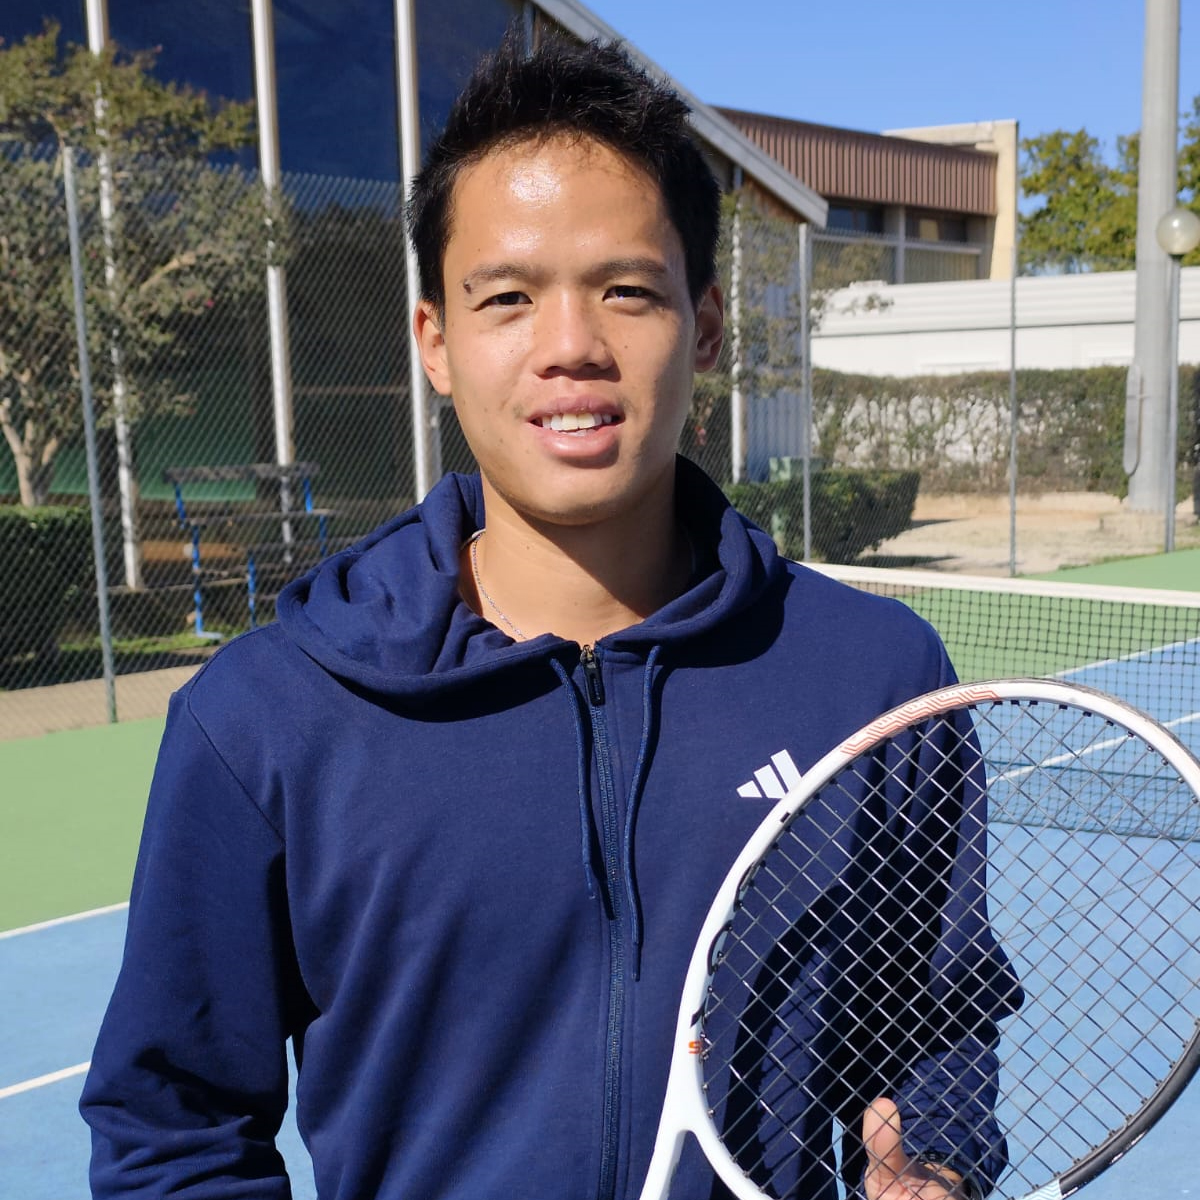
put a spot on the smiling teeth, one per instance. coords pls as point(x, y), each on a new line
point(570, 422)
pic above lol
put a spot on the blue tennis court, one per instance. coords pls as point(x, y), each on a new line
point(1095, 996)
point(55, 979)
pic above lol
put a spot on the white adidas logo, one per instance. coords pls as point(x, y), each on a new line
point(773, 781)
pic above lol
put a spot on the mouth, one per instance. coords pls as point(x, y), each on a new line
point(576, 422)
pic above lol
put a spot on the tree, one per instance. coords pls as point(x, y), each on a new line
point(186, 235)
point(1087, 218)
point(1086, 215)
point(1189, 168)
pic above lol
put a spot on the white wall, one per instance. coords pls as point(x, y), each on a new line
point(939, 328)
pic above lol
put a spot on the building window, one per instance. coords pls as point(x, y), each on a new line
point(936, 227)
point(336, 70)
point(849, 218)
point(451, 35)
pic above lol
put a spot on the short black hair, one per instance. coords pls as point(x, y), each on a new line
point(589, 90)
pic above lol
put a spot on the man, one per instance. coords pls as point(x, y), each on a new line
point(451, 824)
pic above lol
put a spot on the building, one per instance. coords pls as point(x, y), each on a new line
point(935, 204)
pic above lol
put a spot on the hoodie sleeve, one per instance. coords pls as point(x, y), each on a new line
point(188, 1083)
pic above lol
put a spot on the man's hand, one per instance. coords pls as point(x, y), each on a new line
point(892, 1174)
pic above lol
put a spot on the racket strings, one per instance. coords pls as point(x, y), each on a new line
point(765, 1040)
point(856, 964)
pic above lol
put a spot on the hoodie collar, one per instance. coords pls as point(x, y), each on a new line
point(386, 613)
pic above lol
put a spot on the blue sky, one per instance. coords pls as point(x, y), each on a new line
point(886, 64)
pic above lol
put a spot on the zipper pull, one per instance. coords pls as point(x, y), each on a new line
point(591, 673)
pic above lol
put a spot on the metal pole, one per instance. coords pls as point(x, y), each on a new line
point(1146, 405)
point(262, 19)
point(1014, 413)
point(89, 434)
point(410, 164)
point(737, 403)
point(96, 16)
point(1172, 448)
point(806, 396)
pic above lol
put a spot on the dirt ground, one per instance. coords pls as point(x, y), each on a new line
point(971, 534)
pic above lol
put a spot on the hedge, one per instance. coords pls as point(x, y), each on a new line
point(45, 563)
point(851, 510)
point(955, 429)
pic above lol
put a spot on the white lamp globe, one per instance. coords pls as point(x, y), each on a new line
point(1178, 232)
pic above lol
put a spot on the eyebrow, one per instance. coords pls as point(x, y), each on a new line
point(609, 269)
point(494, 273)
point(651, 267)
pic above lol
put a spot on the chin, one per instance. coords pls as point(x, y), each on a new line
point(586, 497)
point(574, 511)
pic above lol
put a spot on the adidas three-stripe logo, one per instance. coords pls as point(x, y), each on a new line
point(773, 781)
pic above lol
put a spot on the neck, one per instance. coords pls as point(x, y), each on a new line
point(579, 582)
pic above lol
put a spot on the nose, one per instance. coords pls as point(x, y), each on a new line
point(570, 337)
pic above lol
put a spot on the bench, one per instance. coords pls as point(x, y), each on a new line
point(284, 530)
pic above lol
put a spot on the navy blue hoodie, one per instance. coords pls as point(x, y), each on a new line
point(464, 875)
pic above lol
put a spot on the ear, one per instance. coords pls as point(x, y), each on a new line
point(710, 327)
point(431, 343)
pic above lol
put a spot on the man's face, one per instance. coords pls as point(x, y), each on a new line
point(569, 339)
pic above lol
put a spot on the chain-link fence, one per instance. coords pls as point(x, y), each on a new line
point(960, 466)
point(199, 384)
point(226, 335)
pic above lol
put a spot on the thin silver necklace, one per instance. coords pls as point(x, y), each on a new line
point(504, 617)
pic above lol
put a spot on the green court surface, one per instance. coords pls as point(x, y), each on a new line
point(1175, 572)
point(991, 634)
point(998, 634)
point(71, 810)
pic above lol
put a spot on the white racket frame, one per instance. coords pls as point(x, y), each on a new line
point(685, 1109)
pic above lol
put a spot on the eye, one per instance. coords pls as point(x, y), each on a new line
point(506, 300)
point(630, 291)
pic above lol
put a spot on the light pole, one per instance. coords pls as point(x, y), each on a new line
point(1178, 233)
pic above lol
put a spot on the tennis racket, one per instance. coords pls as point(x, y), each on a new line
point(869, 940)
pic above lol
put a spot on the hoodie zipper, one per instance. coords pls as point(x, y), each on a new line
point(610, 822)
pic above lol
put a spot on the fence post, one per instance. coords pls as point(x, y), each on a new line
point(1014, 411)
point(737, 402)
point(89, 433)
point(96, 12)
point(282, 404)
point(409, 129)
point(806, 395)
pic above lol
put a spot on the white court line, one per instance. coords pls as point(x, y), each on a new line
point(1132, 656)
point(29, 1085)
point(80, 916)
point(1076, 755)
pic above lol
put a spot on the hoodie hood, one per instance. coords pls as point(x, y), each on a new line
point(386, 613)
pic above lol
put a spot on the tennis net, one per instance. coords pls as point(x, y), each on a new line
point(1140, 644)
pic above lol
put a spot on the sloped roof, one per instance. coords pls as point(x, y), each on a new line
point(873, 167)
